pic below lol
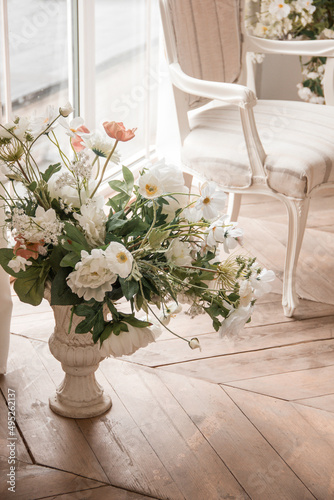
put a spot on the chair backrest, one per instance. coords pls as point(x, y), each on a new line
point(204, 37)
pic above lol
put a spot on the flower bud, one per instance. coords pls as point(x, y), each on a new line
point(66, 110)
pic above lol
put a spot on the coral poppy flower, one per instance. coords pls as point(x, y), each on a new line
point(27, 250)
point(118, 131)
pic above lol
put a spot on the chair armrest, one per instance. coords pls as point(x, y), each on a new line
point(227, 92)
point(315, 48)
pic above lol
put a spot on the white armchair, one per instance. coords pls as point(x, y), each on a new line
point(280, 148)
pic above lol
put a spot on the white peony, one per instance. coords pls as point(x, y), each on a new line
point(212, 201)
point(235, 321)
point(119, 259)
point(92, 276)
point(178, 253)
point(127, 343)
point(93, 221)
point(19, 264)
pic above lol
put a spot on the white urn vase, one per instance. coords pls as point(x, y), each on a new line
point(79, 395)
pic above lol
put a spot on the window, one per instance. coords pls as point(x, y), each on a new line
point(102, 55)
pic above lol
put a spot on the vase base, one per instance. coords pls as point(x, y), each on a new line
point(66, 410)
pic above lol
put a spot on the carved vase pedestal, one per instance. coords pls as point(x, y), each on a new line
point(79, 395)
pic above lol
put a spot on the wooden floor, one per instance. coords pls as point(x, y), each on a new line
point(248, 418)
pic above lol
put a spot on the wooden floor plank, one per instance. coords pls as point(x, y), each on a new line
point(237, 442)
point(255, 364)
point(322, 402)
point(249, 339)
point(34, 482)
point(301, 444)
point(117, 442)
point(190, 460)
point(21, 452)
point(292, 386)
point(102, 493)
point(53, 440)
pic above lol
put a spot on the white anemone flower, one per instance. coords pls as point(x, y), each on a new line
point(20, 128)
point(40, 124)
point(224, 231)
point(72, 126)
point(191, 214)
point(178, 253)
point(93, 221)
point(212, 201)
point(92, 276)
point(100, 144)
point(150, 186)
point(19, 264)
point(169, 311)
point(279, 9)
point(119, 259)
point(127, 343)
point(161, 179)
point(261, 282)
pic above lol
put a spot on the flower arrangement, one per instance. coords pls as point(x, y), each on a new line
point(153, 246)
point(296, 19)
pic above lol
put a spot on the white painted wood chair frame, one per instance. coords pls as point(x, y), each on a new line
point(245, 98)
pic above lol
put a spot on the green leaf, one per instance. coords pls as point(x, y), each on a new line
point(7, 254)
point(61, 294)
point(52, 169)
point(156, 238)
point(133, 321)
point(128, 178)
point(129, 287)
point(116, 222)
point(70, 260)
point(32, 186)
point(106, 332)
point(55, 257)
point(120, 327)
point(30, 287)
point(75, 235)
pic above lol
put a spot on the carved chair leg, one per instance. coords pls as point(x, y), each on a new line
point(297, 214)
point(233, 209)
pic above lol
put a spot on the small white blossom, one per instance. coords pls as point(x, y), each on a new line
point(19, 264)
point(279, 9)
point(100, 144)
point(261, 281)
point(246, 293)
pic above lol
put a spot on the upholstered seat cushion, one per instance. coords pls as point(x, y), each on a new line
point(298, 139)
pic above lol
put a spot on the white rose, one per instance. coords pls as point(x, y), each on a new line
point(92, 276)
